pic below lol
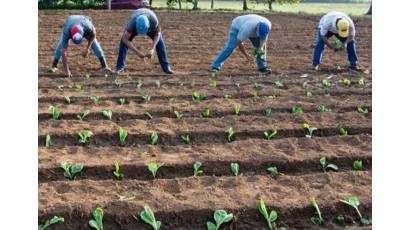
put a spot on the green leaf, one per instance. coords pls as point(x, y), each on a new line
point(357, 165)
point(237, 109)
point(323, 162)
point(107, 114)
point(122, 135)
point(235, 169)
point(97, 223)
point(332, 167)
point(343, 132)
point(262, 209)
point(197, 165)
point(230, 134)
point(221, 216)
point(154, 138)
point(210, 226)
point(273, 216)
point(49, 143)
point(147, 215)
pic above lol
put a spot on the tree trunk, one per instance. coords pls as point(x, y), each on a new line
point(108, 2)
point(195, 4)
point(212, 4)
point(270, 2)
point(245, 5)
point(179, 3)
point(150, 2)
point(370, 10)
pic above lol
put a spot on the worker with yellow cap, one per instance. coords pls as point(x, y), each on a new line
point(340, 25)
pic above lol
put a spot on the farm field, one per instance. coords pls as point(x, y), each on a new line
point(143, 101)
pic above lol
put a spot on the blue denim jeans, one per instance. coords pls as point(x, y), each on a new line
point(230, 47)
point(160, 48)
point(95, 47)
point(320, 46)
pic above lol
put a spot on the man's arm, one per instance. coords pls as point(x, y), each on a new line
point(154, 44)
point(125, 39)
point(90, 40)
point(242, 49)
point(327, 42)
point(65, 62)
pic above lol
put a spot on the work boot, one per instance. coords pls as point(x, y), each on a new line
point(265, 70)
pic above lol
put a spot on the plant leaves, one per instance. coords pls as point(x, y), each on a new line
point(332, 167)
point(210, 226)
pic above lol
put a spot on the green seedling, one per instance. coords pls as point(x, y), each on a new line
point(146, 98)
point(177, 114)
point(138, 84)
point(257, 86)
point(148, 217)
point(84, 136)
point(196, 96)
point(297, 110)
point(117, 172)
point(237, 84)
point(366, 71)
point(186, 139)
point(87, 76)
point(326, 94)
point(338, 45)
point(235, 169)
point(197, 168)
point(51, 221)
point(326, 166)
point(220, 217)
point(54, 112)
point(95, 98)
point(279, 84)
point(71, 170)
point(358, 165)
point(343, 132)
point(305, 84)
point(121, 101)
point(255, 95)
point(310, 130)
point(154, 138)
point(157, 84)
point(148, 115)
point(237, 109)
point(323, 109)
point(270, 218)
point(227, 96)
point(316, 220)
point(362, 110)
point(346, 82)
point(118, 83)
point(270, 135)
point(326, 83)
point(107, 114)
point(123, 135)
point(309, 94)
point(153, 168)
point(213, 83)
point(361, 82)
point(97, 222)
point(270, 97)
point(67, 99)
point(82, 116)
point(259, 53)
point(77, 87)
point(49, 143)
point(206, 113)
point(267, 112)
point(230, 134)
point(354, 202)
point(273, 171)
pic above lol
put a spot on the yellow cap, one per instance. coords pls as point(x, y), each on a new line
point(343, 28)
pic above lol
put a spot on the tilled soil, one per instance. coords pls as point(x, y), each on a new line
point(179, 200)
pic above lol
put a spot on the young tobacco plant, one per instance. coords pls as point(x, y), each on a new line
point(118, 83)
point(309, 129)
point(146, 98)
point(279, 85)
point(84, 136)
point(196, 96)
point(213, 83)
point(273, 171)
point(117, 172)
point(362, 110)
point(49, 143)
point(157, 84)
point(54, 112)
point(257, 86)
point(138, 84)
point(122, 133)
point(326, 166)
point(235, 169)
point(323, 109)
point(153, 168)
point(51, 221)
point(237, 109)
point(316, 220)
point(82, 116)
point(358, 165)
point(297, 110)
point(197, 168)
point(270, 218)
point(121, 101)
point(186, 139)
point(230, 134)
point(107, 114)
point(67, 99)
point(206, 113)
point(326, 83)
point(346, 82)
point(267, 112)
point(97, 222)
point(271, 134)
point(154, 138)
point(148, 115)
point(95, 99)
point(178, 114)
point(361, 82)
point(220, 217)
point(354, 202)
point(343, 132)
point(309, 94)
point(147, 215)
point(71, 170)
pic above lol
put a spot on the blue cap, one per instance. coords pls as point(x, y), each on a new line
point(142, 24)
point(263, 30)
point(77, 33)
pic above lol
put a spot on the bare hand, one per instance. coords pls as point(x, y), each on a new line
point(85, 52)
point(149, 54)
point(67, 73)
point(249, 58)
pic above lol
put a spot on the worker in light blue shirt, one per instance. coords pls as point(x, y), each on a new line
point(254, 27)
point(76, 28)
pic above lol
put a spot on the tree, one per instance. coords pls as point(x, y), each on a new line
point(212, 4)
point(245, 5)
point(369, 12)
point(195, 4)
point(270, 2)
point(108, 2)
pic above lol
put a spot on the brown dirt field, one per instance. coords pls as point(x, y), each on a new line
point(179, 200)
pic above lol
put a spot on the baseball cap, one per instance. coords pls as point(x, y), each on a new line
point(343, 28)
point(142, 24)
point(77, 33)
point(263, 30)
